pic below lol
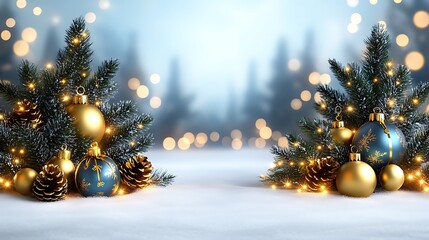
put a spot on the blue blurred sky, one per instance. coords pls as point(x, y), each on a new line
point(215, 41)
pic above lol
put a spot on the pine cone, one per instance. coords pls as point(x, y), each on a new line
point(321, 174)
point(26, 112)
point(50, 184)
point(136, 172)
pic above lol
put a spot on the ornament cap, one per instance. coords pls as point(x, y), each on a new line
point(94, 150)
point(377, 115)
point(337, 124)
point(80, 97)
point(64, 153)
point(355, 157)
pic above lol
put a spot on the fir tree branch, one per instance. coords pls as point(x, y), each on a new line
point(117, 113)
point(161, 178)
point(100, 86)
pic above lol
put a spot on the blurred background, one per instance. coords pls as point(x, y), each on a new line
point(222, 73)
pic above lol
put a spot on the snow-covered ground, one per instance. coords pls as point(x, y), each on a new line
point(217, 195)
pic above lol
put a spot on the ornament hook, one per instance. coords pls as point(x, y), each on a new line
point(80, 90)
point(377, 110)
point(64, 147)
point(94, 144)
point(338, 111)
point(353, 149)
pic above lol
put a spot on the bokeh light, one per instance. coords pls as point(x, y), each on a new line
point(155, 102)
point(29, 34)
point(183, 144)
point(133, 83)
point(421, 19)
point(352, 3)
point(201, 139)
point(142, 91)
point(190, 136)
point(260, 123)
point(169, 143)
point(397, 1)
point(21, 48)
point(276, 135)
point(314, 78)
point(356, 18)
point(402, 40)
point(155, 78)
point(265, 133)
point(414, 60)
point(37, 11)
point(260, 143)
point(214, 136)
point(296, 104)
point(305, 95)
point(317, 97)
point(104, 4)
point(21, 3)
point(383, 24)
point(236, 144)
point(236, 134)
point(325, 79)
point(5, 35)
point(90, 17)
point(10, 22)
point(373, 2)
point(352, 28)
point(283, 142)
point(294, 64)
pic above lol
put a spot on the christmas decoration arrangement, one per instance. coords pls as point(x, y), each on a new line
point(66, 134)
point(373, 132)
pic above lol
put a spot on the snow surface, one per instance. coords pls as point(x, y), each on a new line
point(217, 195)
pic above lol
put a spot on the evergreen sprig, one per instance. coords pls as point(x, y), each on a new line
point(377, 83)
point(47, 88)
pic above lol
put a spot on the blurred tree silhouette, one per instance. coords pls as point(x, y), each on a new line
point(51, 48)
point(175, 110)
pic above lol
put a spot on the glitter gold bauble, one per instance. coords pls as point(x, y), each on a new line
point(340, 134)
point(23, 180)
point(356, 178)
point(391, 177)
point(88, 119)
point(63, 161)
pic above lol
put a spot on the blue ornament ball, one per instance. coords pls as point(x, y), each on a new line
point(373, 144)
point(97, 175)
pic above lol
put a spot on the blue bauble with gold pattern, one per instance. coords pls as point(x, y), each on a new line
point(379, 142)
point(97, 174)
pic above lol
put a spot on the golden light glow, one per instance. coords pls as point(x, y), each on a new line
point(265, 133)
point(260, 143)
point(21, 48)
point(21, 151)
point(390, 72)
point(133, 83)
point(7, 184)
point(97, 103)
point(155, 102)
point(5, 35)
point(294, 64)
point(29, 35)
point(391, 103)
point(21, 3)
point(169, 143)
point(108, 130)
point(305, 95)
point(323, 106)
point(296, 144)
point(296, 104)
point(415, 101)
point(90, 17)
point(132, 143)
point(319, 147)
point(21, 109)
point(347, 68)
point(319, 130)
point(414, 60)
point(349, 83)
point(260, 123)
point(201, 138)
point(375, 80)
point(350, 109)
point(183, 144)
point(13, 150)
point(273, 186)
point(419, 158)
point(421, 19)
point(1, 117)
point(155, 78)
point(190, 136)
point(236, 144)
point(16, 161)
point(314, 78)
point(10, 22)
point(325, 79)
point(121, 191)
point(398, 82)
point(37, 11)
point(76, 41)
point(142, 91)
point(402, 40)
point(401, 118)
point(236, 134)
point(214, 136)
point(84, 75)
point(66, 98)
point(283, 142)
point(49, 65)
point(291, 163)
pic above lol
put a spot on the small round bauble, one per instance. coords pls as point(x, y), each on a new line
point(340, 134)
point(392, 177)
point(356, 179)
point(63, 161)
point(23, 181)
point(88, 119)
point(375, 146)
point(97, 174)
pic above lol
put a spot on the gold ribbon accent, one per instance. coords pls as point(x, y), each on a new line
point(389, 139)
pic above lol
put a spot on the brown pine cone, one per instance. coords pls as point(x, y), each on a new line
point(136, 172)
point(50, 184)
point(320, 175)
point(25, 112)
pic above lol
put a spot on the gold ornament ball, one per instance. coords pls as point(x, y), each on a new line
point(392, 177)
point(340, 134)
point(23, 180)
point(356, 179)
point(88, 119)
point(66, 165)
